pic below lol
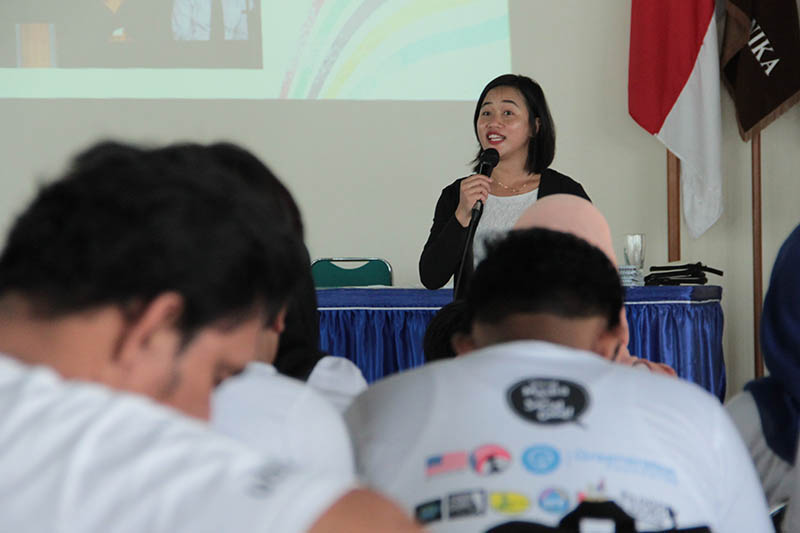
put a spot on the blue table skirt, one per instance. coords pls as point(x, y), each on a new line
point(381, 330)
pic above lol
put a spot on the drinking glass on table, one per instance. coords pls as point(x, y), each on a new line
point(634, 250)
point(633, 253)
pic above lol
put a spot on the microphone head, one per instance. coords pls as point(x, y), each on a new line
point(490, 157)
point(487, 161)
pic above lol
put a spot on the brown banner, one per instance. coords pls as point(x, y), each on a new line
point(761, 60)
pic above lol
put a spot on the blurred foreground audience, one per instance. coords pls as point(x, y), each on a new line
point(298, 353)
point(273, 413)
point(155, 273)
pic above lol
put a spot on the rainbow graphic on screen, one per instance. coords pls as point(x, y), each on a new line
point(390, 49)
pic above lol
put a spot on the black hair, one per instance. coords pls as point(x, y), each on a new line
point(125, 224)
point(255, 174)
point(298, 348)
point(542, 147)
point(450, 319)
point(543, 271)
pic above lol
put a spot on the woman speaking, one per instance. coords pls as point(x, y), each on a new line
point(513, 118)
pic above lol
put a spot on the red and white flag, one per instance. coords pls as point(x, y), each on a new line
point(673, 93)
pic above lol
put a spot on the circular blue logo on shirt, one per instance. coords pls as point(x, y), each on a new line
point(541, 459)
point(554, 500)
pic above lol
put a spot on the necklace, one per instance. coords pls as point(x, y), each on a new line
point(513, 189)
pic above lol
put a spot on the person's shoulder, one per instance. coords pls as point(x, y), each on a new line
point(337, 373)
point(401, 381)
point(402, 394)
point(554, 182)
point(557, 178)
point(135, 445)
point(261, 384)
point(338, 379)
point(675, 393)
point(453, 187)
point(39, 389)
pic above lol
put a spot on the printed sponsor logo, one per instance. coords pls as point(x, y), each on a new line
point(554, 500)
point(628, 465)
point(466, 503)
point(429, 511)
point(490, 459)
point(648, 512)
point(267, 477)
point(595, 492)
point(541, 459)
point(548, 401)
point(509, 502)
point(446, 462)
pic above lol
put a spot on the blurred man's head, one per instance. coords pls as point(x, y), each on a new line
point(293, 350)
point(152, 271)
point(546, 285)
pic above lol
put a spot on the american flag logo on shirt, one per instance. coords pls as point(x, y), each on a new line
point(446, 462)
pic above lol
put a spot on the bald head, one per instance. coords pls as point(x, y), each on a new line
point(570, 214)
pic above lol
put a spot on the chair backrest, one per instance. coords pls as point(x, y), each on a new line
point(331, 272)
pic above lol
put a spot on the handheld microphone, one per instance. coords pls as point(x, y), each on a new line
point(486, 163)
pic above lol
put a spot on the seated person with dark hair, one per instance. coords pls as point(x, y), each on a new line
point(297, 353)
point(451, 320)
point(767, 412)
point(154, 273)
point(268, 411)
point(537, 419)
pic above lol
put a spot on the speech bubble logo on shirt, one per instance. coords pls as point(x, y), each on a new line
point(548, 401)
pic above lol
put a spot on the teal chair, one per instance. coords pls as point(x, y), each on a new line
point(346, 272)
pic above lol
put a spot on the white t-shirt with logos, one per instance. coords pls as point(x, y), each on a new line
point(78, 457)
point(280, 416)
point(527, 430)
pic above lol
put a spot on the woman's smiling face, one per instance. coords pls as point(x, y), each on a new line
point(503, 123)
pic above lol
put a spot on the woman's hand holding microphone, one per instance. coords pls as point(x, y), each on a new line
point(473, 188)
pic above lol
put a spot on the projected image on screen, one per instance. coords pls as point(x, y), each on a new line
point(299, 49)
point(134, 33)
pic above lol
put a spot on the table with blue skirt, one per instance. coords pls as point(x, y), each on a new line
point(381, 329)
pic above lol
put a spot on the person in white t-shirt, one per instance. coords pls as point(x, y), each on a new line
point(278, 415)
point(294, 349)
point(536, 419)
point(267, 411)
point(149, 271)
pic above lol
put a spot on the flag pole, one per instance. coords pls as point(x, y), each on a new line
point(755, 148)
point(673, 207)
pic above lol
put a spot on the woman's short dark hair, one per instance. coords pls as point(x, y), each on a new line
point(542, 148)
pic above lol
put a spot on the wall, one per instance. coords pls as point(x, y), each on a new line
point(367, 174)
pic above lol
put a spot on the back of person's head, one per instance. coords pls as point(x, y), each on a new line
point(542, 147)
point(452, 319)
point(256, 175)
point(127, 223)
point(578, 216)
point(162, 252)
point(541, 271)
point(297, 350)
